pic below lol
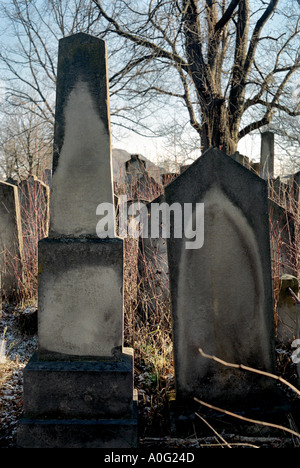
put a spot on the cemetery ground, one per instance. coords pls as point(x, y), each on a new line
point(154, 381)
point(148, 330)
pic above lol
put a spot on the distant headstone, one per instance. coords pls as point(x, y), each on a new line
point(221, 293)
point(240, 158)
point(11, 241)
point(267, 155)
point(153, 268)
point(286, 323)
point(282, 240)
point(47, 177)
point(135, 169)
point(168, 177)
point(139, 182)
point(34, 196)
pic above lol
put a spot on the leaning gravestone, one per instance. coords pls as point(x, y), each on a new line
point(34, 196)
point(11, 241)
point(221, 293)
point(153, 271)
point(78, 389)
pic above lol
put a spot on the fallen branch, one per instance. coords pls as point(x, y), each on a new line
point(215, 432)
point(294, 296)
point(250, 369)
point(257, 371)
point(234, 440)
point(254, 421)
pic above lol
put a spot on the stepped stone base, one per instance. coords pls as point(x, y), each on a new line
point(75, 433)
point(88, 404)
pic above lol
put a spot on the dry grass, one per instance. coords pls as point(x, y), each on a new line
point(148, 329)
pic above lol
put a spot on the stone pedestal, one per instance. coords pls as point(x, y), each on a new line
point(80, 298)
point(83, 404)
point(78, 388)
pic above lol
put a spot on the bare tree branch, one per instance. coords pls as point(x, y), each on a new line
point(227, 15)
point(159, 52)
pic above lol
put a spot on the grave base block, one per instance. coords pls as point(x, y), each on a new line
point(191, 418)
point(79, 404)
point(77, 433)
point(73, 433)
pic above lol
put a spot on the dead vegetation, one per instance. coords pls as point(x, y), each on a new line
point(148, 329)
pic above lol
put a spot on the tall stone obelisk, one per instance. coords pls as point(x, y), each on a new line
point(78, 388)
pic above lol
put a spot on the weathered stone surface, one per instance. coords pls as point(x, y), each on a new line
point(287, 310)
point(11, 240)
point(282, 240)
point(153, 263)
point(267, 155)
point(77, 433)
point(82, 166)
point(80, 298)
point(222, 293)
point(79, 389)
point(34, 196)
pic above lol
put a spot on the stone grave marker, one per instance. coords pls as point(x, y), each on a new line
point(286, 323)
point(11, 241)
point(267, 155)
point(221, 293)
point(78, 388)
point(153, 271)
point(34, 196)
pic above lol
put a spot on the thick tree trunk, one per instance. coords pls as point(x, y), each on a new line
point(215, 128)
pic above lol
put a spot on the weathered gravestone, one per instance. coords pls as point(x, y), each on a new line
point(140, 184)
point(153, 271)
point(221, 293)
point(282, 240)
point(34, 196)
point(78, 389)
point(287, 309)
point(11, 241)
point(267, 155)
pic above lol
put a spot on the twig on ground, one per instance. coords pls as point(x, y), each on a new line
point(243, 418)
point(250, 369)
point(215, 432)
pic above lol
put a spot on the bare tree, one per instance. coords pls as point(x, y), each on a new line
point(228, 62)
point(25, 145)
point(222, 68)
point(29, 48)
point(28, 58)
